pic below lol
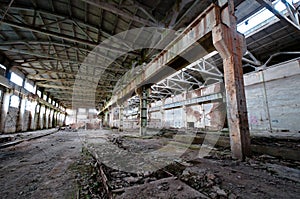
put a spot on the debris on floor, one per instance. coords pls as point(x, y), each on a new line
point(77, 166)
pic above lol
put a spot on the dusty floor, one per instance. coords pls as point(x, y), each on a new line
point(76, 165)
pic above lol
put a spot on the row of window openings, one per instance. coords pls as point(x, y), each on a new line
point(15, 101)
point(29, 87)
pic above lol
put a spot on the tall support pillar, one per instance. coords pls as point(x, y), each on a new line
point(143, 94)
point(65, 119)
point(21, 112)
point(46, 118)
point(230, 44)
point(51, 118)
point(121, 117)
point(33, 114)
point(56, 118)
point(184, 112)
point(38, 114)
point(5, 106)
point(162, 111)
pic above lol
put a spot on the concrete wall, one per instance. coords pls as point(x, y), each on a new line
point(208, 115)
point(25, 115)
point(83, 118)
point(273, 101)
point(273, 98)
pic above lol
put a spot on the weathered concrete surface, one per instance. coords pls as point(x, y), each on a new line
point(164, 188)
point(17, 138)
point(209, 115)
point(39, 168)
point(273, 98)
point(27, 111)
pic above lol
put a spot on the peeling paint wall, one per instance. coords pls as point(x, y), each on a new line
point(25, 116)
point(273, 101)
point(273, 98)
point(206, 115)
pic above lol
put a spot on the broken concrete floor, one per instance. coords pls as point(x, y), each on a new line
point(73, 165)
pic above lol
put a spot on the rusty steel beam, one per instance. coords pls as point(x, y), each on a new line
point(199, 28)
point(231, 46)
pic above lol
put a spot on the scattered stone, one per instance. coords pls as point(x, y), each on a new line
point(186, 164)
point(267, 157)
point(210, 176)
point(131, 179)
point(147, 173)
point(241, 186)
point(163, 186)
point(232, 196)
point(179, 188)
point(219, 191)
point(213, 195)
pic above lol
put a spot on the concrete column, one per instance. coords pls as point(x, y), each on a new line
point(184, 116)
point(65, 118)
point(55, 118)
point(143, 94)
point(184, 110)
point(121, 118)
point(51, 118)
point(230, 44)
point(33, 112)
point(4, 108)
point(58, 119)
point(38, 114)
point(21, 112)
point(162, 111)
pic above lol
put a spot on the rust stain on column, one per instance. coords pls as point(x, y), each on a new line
point(230, 44)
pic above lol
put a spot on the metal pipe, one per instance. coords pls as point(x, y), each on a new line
point(280, 53)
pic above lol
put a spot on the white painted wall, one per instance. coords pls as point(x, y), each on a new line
point(273, 98)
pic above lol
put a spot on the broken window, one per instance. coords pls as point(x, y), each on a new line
point(16, 79)
point(29, 86)
point(14, 101)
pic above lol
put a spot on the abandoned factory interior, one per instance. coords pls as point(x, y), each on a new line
point(137, 99)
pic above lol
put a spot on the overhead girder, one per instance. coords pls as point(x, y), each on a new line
point(59, 15)
point(114, 9)
point(293, 21)
point(51, 43)
point(203, 66)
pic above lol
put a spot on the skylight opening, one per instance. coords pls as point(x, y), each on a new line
point(262, 17)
